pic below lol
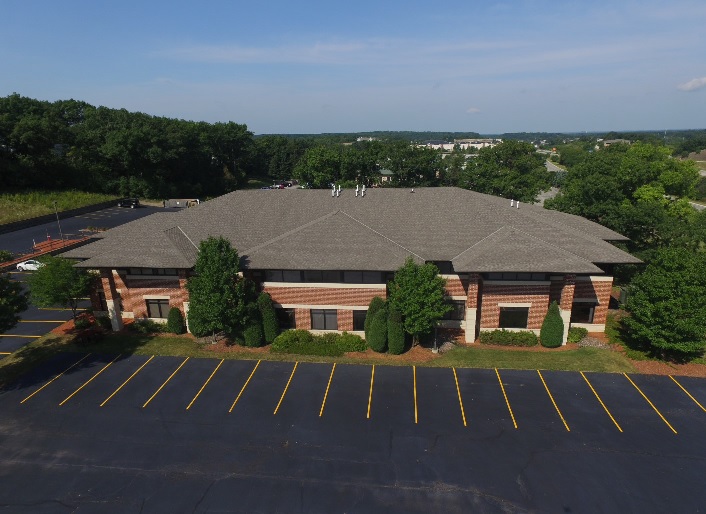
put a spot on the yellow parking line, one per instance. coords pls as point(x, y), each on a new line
point(18, 335)
point(414, 371)
point(5, 353)
point(321, 412)
point(244, 386)
point(370, 396)
point(52, 380)
point(601, 401)
point(507, 401)
point(204, 385)
point(687, 393)
point(286, 387)
point(123, 384)
point(460, 401)
point(553, 402)
point(651, 404)
point(89, 380)
point(165, 383)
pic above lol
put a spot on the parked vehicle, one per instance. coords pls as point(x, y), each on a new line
point(30, 265)
point(129, 202)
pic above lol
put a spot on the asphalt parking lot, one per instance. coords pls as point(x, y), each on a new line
point(166, 434)
point(38, 322)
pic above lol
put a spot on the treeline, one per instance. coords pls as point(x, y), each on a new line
point(72, 144)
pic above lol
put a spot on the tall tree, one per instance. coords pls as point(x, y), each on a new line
point(667, 304)
point(59, 283)
point(12, 301)
point(218, 297)
point(417, 293)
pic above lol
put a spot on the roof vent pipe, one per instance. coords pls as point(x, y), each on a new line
point(518, 204)
point(356, 190)
point(412, 190)
point(338, 193)
point(512, 203)
point(362, 193)
point(333, 191)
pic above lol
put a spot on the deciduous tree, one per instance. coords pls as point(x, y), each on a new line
point(12, 301)
point(59, 283)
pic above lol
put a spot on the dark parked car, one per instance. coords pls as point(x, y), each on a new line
point(129, 202)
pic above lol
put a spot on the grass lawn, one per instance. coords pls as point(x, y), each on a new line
point(583, 359)
point(30, 204)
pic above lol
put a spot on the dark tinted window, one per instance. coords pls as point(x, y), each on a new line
point(359, 320)
point(514, 317)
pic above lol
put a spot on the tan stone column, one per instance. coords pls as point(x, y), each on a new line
point(567, 301)
point(112, 299)
point(472, 306)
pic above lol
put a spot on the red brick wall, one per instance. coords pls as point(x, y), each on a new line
point(324, 296)
point(494, 294)
point(600, 290)
point(345, 320)
point(133, 291)
point(473, 286)
point(454, 287)
point(567, 293)
point(302, 319)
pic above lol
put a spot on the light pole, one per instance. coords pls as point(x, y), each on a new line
point(61, 235)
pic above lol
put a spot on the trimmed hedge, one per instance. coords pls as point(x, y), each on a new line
point(252, 335)
point(104, 322)
point(175, 321)
point(507, 338)
point(576, 334)
point(270, 325)
point(552, 333)
point(303, 342)
point(147, 326)
point(377, 337)
point(376, 304)
point(395, 332)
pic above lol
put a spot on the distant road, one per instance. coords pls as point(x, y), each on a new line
point(553, 167)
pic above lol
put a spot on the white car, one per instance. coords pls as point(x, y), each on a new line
point(30, 265)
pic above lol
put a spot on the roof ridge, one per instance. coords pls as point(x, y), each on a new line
point(382, 235)
point(176, 235)
point(551, 244)
point(290, 232)
point(478, 242)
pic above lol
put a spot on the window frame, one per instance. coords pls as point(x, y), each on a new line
point(508, 310)
point(324, 319)
point(160, 304)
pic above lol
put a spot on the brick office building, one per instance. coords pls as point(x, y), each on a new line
point(323, 256)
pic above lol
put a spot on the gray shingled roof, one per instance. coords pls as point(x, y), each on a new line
point(309, 229)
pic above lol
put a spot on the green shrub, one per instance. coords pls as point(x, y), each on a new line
point(507, 338)
point(6, 256)
point(377, 336)
point(104, 322)
point(395, 332)
point(270, 325)
point(552, 333)
point(252, 335)
point(82, 323)
point(175, 321)
point(376, 304)
point(350, 342)
point(576, 334)
point(147, 326)
point(303, 342)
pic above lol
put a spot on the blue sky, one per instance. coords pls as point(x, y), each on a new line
point(312, 66)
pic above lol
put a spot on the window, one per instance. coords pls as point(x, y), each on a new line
point(458, 312)
point(291, 276)
point(582, 312)
point(273, 275)
point(152, 271)
point(362, 277)
point(445, 267)
point(324, 319)
point(516, 276)
point(359, 320)
point(286, 318)
point(514, 317)
point(157, 308)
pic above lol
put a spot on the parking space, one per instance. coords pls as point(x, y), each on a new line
point(439, 399)
point(358, 429)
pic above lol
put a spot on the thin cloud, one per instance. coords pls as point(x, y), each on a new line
point(693, 84)
point(473, 110)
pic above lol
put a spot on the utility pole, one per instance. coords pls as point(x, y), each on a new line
point(61, 235)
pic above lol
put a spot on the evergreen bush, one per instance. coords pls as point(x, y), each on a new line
point(376, 304)
point(104, 322)
point(377, 338)
point(252, 335)
point(507, 338)
point(552, 333)
point(175, 321)
point(270, 324)
point(303, 342)
point(395, 332)
point(350, 342)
